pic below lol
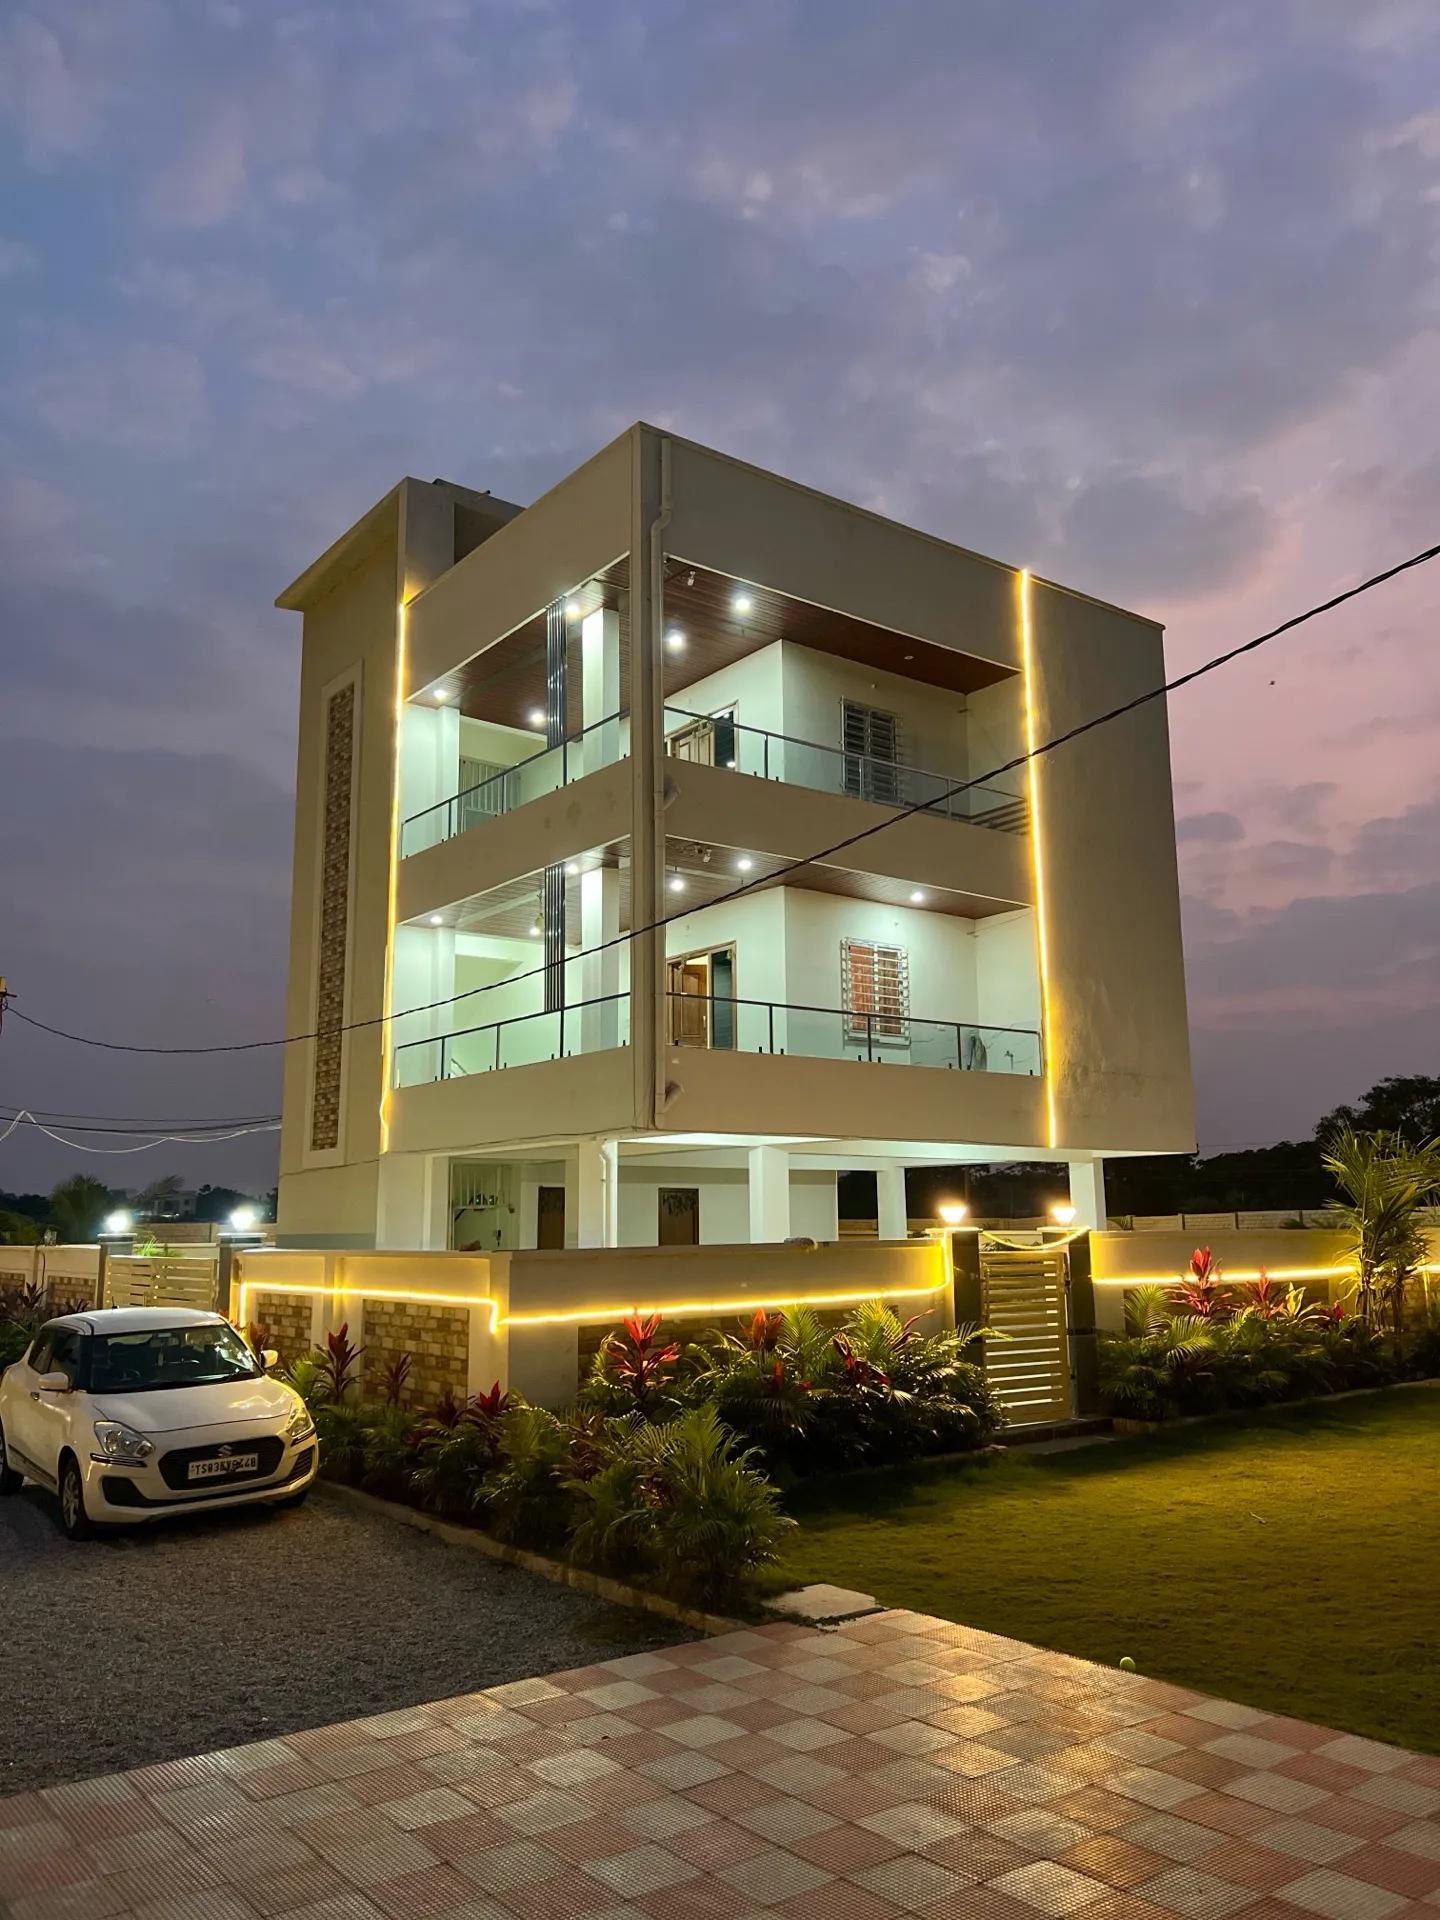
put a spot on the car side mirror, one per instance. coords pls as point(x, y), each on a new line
point(270, 1358)
point(54, 1383)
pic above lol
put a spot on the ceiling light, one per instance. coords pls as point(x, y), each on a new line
point(675, 640)
point(677, 885)
point(742, 604)
point(536, 716)
point(744, 863)
point(572, 869)
point(442, 694)
point(437, 919)
point(917, 898)
point(573, 609)
point(535, 930)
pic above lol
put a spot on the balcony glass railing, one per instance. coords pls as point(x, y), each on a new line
point(832, 1033)
point(590, 1026)
point(720, 742)
point(598, 745)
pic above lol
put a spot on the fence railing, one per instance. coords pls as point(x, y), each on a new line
point(725, 1023)
point(588, 1026)
point(804, 763)
point(598, 745)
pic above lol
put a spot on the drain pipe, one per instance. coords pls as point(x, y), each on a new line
point(659, 796)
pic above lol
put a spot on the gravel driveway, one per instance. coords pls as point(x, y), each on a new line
point(204, 1633)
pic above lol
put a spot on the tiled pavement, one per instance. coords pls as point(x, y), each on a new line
point(902, 1765)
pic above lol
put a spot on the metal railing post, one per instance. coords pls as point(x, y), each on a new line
point(770, 1009)
point(869, 1036)
point(498, 1025)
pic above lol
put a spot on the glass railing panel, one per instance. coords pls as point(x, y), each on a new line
point(933, 1043)
point(588, 1027)
point(1000, 1050)
point(598, 745)
point(417, 1063)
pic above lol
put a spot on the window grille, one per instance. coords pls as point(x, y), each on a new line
point(871, 740)
point(875, 985)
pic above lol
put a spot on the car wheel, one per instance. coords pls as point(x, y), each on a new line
point(73, 1517)
point(11, 1480)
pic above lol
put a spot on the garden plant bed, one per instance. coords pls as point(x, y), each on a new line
point(1284, 1559)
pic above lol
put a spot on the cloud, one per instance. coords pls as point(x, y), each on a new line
point(206, 182)
point(147, 397)
point(1210, 829)
point(1397, 849)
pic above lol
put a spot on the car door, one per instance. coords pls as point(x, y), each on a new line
point(53, 1412)
point(22, 1409)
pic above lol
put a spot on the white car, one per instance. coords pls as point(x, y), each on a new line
point(134, 1413)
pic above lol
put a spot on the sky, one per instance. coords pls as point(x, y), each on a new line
point(1143, 297)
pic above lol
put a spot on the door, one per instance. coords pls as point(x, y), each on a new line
point(679, 1217)
point(53, 1411)
point(1025, 1297)
point(708, 742)
point(550, 1219)
point(22, 1401)
point(702, 999)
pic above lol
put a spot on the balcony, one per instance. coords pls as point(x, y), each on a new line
point(599, 745)
point(720, 1023)
point(559, 1033)
point(719, 741)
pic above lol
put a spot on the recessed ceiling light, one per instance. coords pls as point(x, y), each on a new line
point(573, 609)
point(572, 869)
point(675, 640)
point(917, 898)
point(442, 694)
point(677, 885)
point(744, 863)
point(437, 919)
point(535, 930)
point(742, 604)
point(536, 716)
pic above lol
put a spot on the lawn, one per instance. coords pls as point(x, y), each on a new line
point(1290, 1560)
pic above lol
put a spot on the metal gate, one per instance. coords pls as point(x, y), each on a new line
point(1025, 1296)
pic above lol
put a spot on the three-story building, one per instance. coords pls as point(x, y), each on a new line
point(667, 847)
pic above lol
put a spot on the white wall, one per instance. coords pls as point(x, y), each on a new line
point(931, 719)
point(995, 726)
point(755, 927)
point(1007, 977)
point(751, 686)
point(724, 1202)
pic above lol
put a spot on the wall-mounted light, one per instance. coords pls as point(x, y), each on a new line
point(952, 1212)
point(536, 716)
point(742, 603)
point(1062, 1214)
point(675, 640)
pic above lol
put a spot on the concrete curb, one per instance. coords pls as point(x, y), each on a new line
point(560, 1572)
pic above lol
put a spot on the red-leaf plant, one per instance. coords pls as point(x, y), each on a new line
point(338, 1363)
point(393, 1377)
point(856, 1373)
point(639, 1357)
point(1266, 1297)
point(1201, 1294)
point(761, 1332)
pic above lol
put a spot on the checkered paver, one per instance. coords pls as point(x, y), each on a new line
point(900, 1765)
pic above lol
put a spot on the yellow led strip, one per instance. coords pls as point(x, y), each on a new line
point(387, 1047)
point(1341, 1270)
point(577, 1316)
point(1037, 848)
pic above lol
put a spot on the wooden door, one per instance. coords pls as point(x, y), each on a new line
point(679, 1217)
point(550, 1219)
point(689, 1002)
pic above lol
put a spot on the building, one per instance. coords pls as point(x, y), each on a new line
point(540, 749)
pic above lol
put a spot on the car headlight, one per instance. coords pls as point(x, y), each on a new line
point(299, 1426)
point(122, 1444)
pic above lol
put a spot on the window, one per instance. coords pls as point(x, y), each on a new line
point(65, 1353)
point(871, 740)
point(875, 986)
point(39, 1360)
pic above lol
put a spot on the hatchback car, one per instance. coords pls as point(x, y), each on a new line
point(133, 1413)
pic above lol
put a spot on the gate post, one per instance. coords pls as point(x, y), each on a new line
point(1080, 1314)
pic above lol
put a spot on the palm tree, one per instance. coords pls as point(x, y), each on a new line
point(160, 1192)
point(1385, 1181)
point(76, 1206)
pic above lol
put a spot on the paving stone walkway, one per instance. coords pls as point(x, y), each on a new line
point(902, 1765)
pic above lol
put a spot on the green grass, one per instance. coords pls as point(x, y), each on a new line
point(1290, 1560)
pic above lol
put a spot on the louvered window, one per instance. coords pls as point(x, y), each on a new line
point(872, 752)
point(875, 983)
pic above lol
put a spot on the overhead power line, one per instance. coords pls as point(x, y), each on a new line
point(793, 866)
point(23, 1119)
point(169, 1129)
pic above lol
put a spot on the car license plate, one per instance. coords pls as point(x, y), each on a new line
point(226, 1464)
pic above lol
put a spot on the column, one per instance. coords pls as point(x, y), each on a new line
point(600, 686)
point(769, 1194)
point(894, 1219)
point(1087, 1194)
point(594, 1193)
point(599, 972)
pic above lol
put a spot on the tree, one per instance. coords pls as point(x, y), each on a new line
point(1407, 1104)
point(76, 1207)
point(218, 1203)
point(18, 1229)
point(1385, 1180)
point(157, 1196)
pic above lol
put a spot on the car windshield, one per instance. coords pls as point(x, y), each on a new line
point(159, 1357)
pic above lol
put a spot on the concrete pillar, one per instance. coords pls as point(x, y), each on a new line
point(1087, 1194)
point(769, 1194)
point(594, 1193)
point(600, 686)
point(893, 1217)
point(599, 972)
